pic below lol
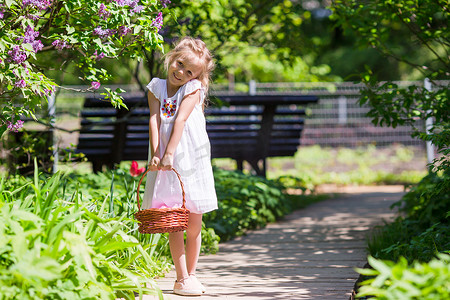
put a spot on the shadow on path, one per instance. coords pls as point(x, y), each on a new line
point(310, 254)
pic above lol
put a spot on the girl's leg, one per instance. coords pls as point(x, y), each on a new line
point(176, 243)
point(193, 242)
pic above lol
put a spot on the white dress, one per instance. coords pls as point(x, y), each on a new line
point(192, 157)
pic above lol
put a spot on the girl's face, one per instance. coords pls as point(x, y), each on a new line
point(183, 69)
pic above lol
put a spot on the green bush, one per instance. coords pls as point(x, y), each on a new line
point(423, 230)
point(419, 237)
point(429, 201)
point(424, 281)
point(408, 239)
point(210, 240)
point(59, 249)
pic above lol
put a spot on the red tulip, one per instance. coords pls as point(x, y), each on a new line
point(134, 171)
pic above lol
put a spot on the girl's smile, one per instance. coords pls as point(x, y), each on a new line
point(176, 76)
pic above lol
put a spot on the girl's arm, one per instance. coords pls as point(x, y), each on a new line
point(154, 124)
point(186, 107)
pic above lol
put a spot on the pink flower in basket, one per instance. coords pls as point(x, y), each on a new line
point(134, 169)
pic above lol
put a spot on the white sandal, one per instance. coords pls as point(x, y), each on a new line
point(187, 287)
point(198, 281)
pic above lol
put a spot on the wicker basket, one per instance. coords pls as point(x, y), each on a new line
point(160, 220)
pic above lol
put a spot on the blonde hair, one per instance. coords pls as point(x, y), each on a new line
point(188, 46)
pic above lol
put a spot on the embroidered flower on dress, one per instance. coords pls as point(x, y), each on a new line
point(169, 107)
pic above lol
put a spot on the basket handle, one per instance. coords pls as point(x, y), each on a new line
point(179, 178)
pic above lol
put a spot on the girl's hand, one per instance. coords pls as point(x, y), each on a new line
point(166, 162)
point(153, 165)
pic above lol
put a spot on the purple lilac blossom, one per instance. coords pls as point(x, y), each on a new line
point(158, 22)
point(165, 3)
point(59, 44)
point(103, 13)
point(39, 4)
point(131, 3)
point(33, 17)
point(2, 12)
point(30, 35)
point(95, 85)
point(17, 55)
point(124, 30)
point(14, 127)
point(37, 46)
point(20, 84)
point(103, 33)
point(137, 9)
point(99, 56)
point(46, 92)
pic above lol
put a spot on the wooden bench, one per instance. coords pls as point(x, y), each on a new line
point(254, 127)
point(109, 135)
point(245, 128)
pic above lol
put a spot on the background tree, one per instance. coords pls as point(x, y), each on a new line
point(280, 41)
point(424, 28)
point(79, 34)
point(262, 40)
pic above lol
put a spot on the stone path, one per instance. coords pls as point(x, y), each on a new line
point(311, 254)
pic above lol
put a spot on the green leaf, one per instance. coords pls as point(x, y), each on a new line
point(50, 197)
point(25, 216)
point(114, 246)
point(70, 29)
point(367, 272)
point(58, 229)
point(81, 251)
point(379, 265)
point(9, 3)
point(110, 233)
point(137, 29)
point(33, 268)
point(28, 47)
point(98, 41)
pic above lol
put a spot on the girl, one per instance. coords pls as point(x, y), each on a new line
point(178, 139)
